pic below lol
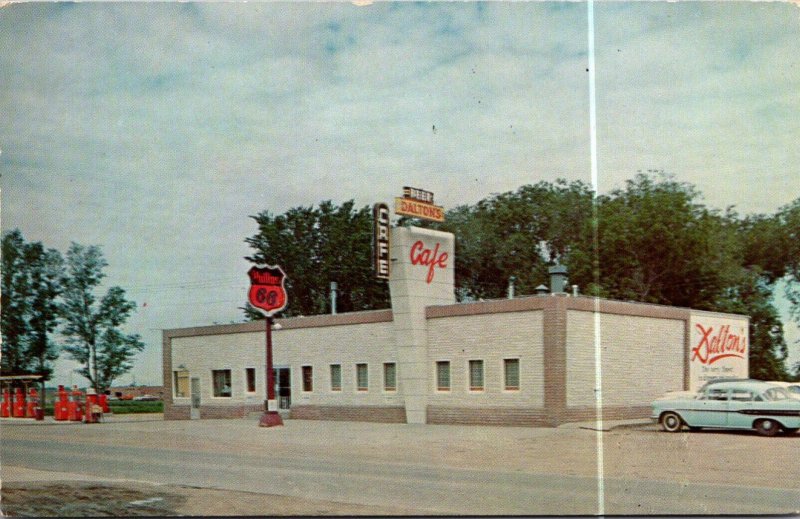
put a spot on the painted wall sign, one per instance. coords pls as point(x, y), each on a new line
point(411, 207)
point(267, 290)
point(431, 258)
point(380, 248)
point(718, 348)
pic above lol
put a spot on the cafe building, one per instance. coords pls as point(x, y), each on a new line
point(540, 360)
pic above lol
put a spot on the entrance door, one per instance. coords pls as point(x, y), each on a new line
point(194, 413)
point(283, 387)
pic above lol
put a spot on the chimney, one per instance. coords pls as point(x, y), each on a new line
point(558, 278)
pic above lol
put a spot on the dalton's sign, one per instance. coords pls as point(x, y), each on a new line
point(718, 348)
point(380, 240)
point(267, 290)
point(418, 203)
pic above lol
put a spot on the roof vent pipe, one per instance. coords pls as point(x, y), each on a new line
point(541, 290)
point(511, 281)
point(558, 278)
point(334, 286)
point(574, 290)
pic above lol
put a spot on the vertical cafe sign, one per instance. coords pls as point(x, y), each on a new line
point(380, 240)
point(718, 347)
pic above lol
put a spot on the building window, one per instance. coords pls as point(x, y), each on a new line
point(336, 377)
point(511, 374)
point(476, 375)
point(443, 375)
point(250, 376)
point(308, 378)
point(181, 384)
point(390, 376)
point(222, 382)
point(362, 380)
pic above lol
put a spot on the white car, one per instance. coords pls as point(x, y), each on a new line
point(764, 407)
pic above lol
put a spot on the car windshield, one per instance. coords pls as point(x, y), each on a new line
point(776, 393)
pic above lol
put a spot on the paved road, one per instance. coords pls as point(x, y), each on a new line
point(424, 485)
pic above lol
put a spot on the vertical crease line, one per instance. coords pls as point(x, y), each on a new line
point(598, 369)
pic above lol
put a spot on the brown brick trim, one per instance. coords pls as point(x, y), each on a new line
point(497, 306)
point(312, 321)
point(383, 414)
point(554, 324)
point(183, 412)
point(177, 412)
point(588, 413)
point(166, 365)
point(605, 306)
point(515, 416)
point(687, 346)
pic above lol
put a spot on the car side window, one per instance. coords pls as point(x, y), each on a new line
point(741, 396)
point(715, 394)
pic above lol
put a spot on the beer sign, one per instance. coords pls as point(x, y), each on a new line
point(380, 240)
point(418, 203)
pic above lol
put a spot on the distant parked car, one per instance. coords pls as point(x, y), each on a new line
point(146, 398)
point(747, 404)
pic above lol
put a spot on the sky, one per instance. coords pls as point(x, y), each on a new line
point(156, 130)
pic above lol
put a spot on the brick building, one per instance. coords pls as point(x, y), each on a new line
point(523, 361)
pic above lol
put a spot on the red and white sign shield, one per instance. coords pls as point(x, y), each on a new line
point(267, 290)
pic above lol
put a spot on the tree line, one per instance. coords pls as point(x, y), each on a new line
point(45, 293)
point(653, 241)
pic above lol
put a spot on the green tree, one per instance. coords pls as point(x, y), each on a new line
point(91, 326)
point(658, 244)
point(46, 277)
point(16, 302)
point(520, 234)
point(32, 277)
point(315, 246)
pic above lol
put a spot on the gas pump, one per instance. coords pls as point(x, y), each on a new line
point(33, 403)
point(5, 407)
point(94, 412)
point(103, 401)
point(61, 408)
point(75, 406)
point(19, 403)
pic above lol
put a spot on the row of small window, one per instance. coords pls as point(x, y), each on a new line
point(221, 382)
point(475, 374)
point(362, 377)
point(221, 378)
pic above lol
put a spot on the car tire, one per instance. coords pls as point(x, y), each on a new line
point(767, 427)
point(671, 422)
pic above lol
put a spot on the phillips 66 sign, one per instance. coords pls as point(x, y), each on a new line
point(267, 290)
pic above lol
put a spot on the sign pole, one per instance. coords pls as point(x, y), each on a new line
point(270, 418)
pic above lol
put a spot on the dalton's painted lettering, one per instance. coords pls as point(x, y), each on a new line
point(711, 348)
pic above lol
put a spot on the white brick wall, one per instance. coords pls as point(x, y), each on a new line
point(642, 357)
point(347, 345)
point(490, 337)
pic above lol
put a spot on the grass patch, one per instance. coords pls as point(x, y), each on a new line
point(124, 407)
point(131, 406)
